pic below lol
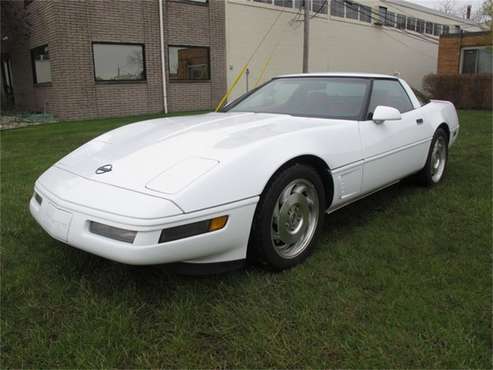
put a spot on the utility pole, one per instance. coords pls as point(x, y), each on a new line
point(306, 35)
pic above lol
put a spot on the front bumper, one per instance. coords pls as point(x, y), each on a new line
point(69, 223)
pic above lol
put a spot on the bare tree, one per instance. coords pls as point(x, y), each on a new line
point(480, 14)
point(14, 20)
point(449, 7)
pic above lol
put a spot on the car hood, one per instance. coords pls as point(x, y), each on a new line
point(139, 152)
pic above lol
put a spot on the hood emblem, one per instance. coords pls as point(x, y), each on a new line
point(104, 169)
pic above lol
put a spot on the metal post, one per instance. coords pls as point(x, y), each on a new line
point(306, 35)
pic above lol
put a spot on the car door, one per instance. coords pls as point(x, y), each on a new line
point(392, 149)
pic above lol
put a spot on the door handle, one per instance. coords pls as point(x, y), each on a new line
point(419, 121)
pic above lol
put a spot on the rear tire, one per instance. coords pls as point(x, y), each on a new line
point(288, 218)
point(436, 163)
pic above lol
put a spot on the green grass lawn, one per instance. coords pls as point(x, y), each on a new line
point(399, 280)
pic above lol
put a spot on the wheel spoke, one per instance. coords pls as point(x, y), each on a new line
point(294, 218)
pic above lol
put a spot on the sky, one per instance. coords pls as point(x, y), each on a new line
point(434, 3)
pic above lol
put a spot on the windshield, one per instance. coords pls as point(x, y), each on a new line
point(325, 97)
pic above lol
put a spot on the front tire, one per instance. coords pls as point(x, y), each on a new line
point(436, 163)
point(288, 218)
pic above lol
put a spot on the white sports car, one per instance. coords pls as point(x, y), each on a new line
point(254, 179)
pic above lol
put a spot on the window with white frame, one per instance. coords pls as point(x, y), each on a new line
point(401, 21)
point(320, 6)
point(429, 28)
point(352, 10)
point(365, 13)
point(476, 60)
point(411, 23)
point(337, 8)
point(41, 65)
point(390, 19)
point(437, 29)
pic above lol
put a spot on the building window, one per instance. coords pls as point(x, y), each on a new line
point(411, 23)
point(365, 13)
point(420, 26)
point(457, 29)
point(40, 58)
point(477, 60)
point(390, 19)
point(437, 29)
point(445, 30)
point(188, 63)
point(337, 8)
point(117, 62)
point(352, 10)
point(284, 3)
point(382, 13)
point(429, 28)
point(401, 21)
point(320, 6)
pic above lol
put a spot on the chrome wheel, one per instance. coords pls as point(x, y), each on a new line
point(295, 218)
point(438, 159)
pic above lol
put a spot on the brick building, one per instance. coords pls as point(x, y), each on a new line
point(99, 58)
point(465, 53)
point(93, 58)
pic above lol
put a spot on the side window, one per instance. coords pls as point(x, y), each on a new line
point(391, 94)
point(422, 98)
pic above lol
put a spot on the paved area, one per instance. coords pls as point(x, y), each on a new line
point(16, 120)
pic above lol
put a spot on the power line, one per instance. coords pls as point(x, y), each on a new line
point(320, 9)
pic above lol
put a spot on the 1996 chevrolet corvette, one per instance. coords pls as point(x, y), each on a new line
point(256, 178)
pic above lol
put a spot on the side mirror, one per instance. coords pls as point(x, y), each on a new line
point(383, 113)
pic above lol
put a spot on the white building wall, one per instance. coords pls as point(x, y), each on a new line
point(336, 44)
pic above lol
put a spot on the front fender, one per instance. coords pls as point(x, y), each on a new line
point(245, 173)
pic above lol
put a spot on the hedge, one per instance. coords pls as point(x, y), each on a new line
point(466, 91)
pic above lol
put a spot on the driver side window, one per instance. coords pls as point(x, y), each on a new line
point(389, 93)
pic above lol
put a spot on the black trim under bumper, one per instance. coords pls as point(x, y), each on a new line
point(198, 269)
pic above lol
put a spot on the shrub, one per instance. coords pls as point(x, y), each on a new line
point(467, 91)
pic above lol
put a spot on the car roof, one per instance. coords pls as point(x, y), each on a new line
point(339, 74)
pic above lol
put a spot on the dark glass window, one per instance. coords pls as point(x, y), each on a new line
point(389, 93)
point(390, 19)
point(365, 13)
point(477, 60)
point(284, 3)
point(401, 21)
point(40, 58)
point(411, 23)
point(445, 30)
point(422, 98)
point(429, 28)
point(118, 62)
point(320, 6)
point(337, 8)
point(325, 97)
point(188, 63)
point(420, 26)
point(437, 29)
point(352, 10)
point(382, 14)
